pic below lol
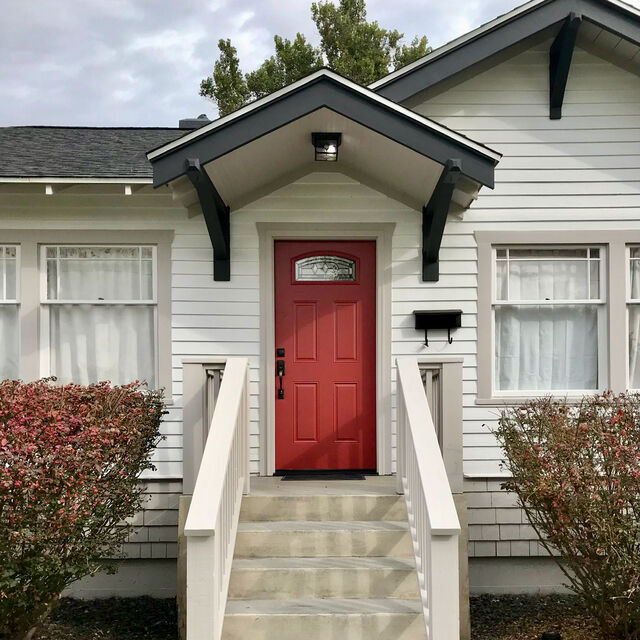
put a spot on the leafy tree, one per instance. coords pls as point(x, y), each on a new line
point(349, 44)
point(292, 61)
point(227, 87)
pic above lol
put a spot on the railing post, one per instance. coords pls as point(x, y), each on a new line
point(201, 587)
point(443, 589)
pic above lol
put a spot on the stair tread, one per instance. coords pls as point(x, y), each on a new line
point(324, 606)
point(324, 525)
point(355, 562)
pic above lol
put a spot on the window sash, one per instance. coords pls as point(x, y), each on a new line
point(589, 259)
point(4, 285)
point(45, 259)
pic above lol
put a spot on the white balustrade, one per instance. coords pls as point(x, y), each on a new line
point(214, 512)
point(433, 519)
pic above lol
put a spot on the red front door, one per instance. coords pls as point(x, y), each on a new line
point(325, 308)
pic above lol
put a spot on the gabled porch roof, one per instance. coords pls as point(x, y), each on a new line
point(248, 153)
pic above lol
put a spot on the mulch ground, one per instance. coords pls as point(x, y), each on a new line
point(492, 618)
point(113, 619)
point(527, 617)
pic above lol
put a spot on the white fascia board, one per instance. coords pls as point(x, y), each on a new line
point(367, 93)
point(41, 180)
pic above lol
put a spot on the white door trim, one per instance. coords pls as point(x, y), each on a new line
point(268, 233)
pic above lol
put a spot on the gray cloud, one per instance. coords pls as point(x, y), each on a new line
point(140, 62)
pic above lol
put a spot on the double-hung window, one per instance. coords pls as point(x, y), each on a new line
point(9, 312)
point(549, 319)
point(99, 313)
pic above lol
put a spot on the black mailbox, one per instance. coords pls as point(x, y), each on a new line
point(425, 320)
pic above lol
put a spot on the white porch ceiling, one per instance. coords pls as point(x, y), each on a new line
point(281, 156)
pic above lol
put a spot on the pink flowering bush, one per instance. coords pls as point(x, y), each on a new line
point(576, 471)
point(70, 458)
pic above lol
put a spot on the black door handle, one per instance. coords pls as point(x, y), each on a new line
point(280, 372)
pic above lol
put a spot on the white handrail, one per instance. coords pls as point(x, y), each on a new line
point(212, 521)
point(433, 519)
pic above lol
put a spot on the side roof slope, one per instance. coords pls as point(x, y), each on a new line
point(80, 152)
point(501, 33)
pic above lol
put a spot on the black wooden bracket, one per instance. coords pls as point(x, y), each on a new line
point(216, 217)
point(560, 57)
point(434, 218)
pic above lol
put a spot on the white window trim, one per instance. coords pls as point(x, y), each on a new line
point(29, 281)
point(600, 303)
point(616, 329)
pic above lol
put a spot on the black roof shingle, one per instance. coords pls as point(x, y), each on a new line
point(80, 152)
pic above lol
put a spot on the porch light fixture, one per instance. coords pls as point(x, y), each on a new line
point(326, 146)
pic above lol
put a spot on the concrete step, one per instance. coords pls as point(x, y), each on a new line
point(323, 507)
point(382, 619)
point(323, 539)
point(282, 578)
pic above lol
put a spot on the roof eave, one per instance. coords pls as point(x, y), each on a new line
point(501, 34)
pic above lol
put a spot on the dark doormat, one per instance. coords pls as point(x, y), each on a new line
point(300, 476)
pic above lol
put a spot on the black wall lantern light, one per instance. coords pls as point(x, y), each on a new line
point(326, 146)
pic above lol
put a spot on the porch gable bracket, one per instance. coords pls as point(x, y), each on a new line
point(560, 56)
point(434, 218)
point(216, 216)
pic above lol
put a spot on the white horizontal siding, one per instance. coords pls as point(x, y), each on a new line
point(581, 169)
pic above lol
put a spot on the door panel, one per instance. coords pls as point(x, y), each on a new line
point(325, 323)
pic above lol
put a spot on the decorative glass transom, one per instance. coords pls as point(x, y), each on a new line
point(325, 269)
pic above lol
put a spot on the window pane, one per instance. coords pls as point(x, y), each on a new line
point(634, 269)
point(562, 254)
point(634, 347)
point(99, 273)
point(546, 348)
point(548, 280)
point(594, 266)
point(9, 339)
point(111, 342)
point(8, 273)
point(502, 289)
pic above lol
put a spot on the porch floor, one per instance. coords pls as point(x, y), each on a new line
point(370, 486)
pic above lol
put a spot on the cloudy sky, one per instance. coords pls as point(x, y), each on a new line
point(140, 62)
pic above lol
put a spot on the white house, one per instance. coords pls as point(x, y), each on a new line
point(485, 199)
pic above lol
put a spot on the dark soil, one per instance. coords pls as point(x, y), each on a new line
point(492, 618)
point(527, 617)
point(112, 619)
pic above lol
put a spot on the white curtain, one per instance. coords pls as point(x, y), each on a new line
point(97, 273)
point(88, 342)
point(9, 342)
point(91, 343)
point(547, 347)
point(634, 324)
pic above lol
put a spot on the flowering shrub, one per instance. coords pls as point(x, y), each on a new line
point(576, 471)
point(70, 457)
